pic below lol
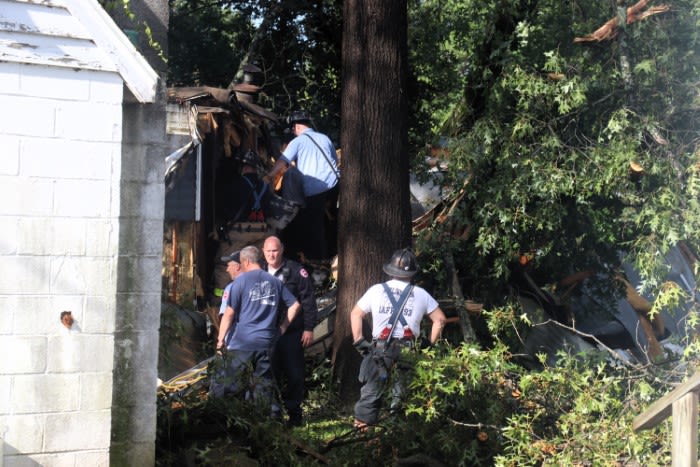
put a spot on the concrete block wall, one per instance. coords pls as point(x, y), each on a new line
point(60, 171)
point(137, 327)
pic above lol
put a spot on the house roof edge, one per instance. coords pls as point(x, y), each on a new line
point(137, 73)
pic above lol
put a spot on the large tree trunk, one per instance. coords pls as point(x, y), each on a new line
point(374, 217)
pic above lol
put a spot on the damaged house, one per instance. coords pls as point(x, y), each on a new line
point(216, 129)
point(217, 125)
point(212, 129)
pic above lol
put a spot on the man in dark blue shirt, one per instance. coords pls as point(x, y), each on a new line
point(254, 303)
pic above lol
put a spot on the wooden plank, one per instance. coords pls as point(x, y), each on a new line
point(661, 409)
point(684, 446)
point(464, 321)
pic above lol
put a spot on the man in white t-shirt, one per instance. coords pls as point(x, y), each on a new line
point(397, 308)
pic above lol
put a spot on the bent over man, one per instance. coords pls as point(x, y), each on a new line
point(315, 157)
point(242, 197)
point(397, 308)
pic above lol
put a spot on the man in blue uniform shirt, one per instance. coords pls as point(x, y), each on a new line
point(315, 157)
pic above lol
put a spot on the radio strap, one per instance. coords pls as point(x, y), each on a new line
point(335, 172)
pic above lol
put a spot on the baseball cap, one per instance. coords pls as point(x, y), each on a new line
point(232, 257)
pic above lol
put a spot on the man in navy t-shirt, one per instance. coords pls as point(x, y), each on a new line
point(253, 304)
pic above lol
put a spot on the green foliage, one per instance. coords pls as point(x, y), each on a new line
point(570, 160)
point(507, 323)
point(206, 43)
point(473, 407)
point(547, 132)
point(464, 406)
point(118, 8)
point(295, 43)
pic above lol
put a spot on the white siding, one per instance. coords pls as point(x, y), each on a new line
point(59, 186)
point(65, 132)
point(29, 32)
point(72, 34)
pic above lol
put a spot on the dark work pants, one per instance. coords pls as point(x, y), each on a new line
point(288, 367)
point(377, 377)
point(247, 374)
point(307, 231)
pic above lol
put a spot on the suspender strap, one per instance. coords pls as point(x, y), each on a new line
point(398, 306)
point(335, 172)
point(256, 196)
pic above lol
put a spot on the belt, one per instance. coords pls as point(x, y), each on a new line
point(248, 227)
point(409, 342)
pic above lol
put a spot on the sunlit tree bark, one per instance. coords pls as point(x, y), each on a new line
point(374, 215)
